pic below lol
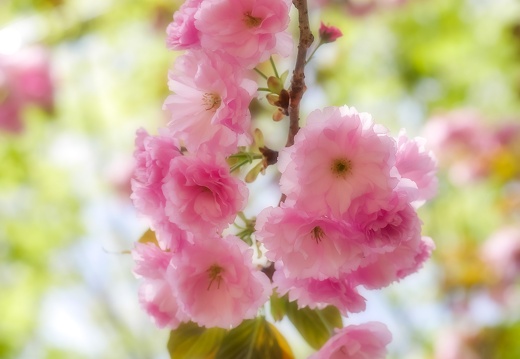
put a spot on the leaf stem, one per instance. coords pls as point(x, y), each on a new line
point(260, 73)
point(274, 67)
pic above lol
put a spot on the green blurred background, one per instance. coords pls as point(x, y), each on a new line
point(78, 77)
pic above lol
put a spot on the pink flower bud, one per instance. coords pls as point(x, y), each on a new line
point(329, 33)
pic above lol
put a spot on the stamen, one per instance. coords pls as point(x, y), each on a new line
point(215, 273)
point(317, 233)
point(341, 167)
point(252, 21)
point(211, 101)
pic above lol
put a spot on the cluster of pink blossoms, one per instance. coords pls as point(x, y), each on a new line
point(350, 189)
point(182, 182)
point(349, 218)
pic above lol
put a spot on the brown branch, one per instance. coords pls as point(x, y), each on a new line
point(298, 87)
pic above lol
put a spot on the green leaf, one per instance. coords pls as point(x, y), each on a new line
point(254, 172)
point(316, 326)
point(254, 339)
point(189, 341)
point(274, 84)
point(278, 306)
point(258, 137)
point(283, 76)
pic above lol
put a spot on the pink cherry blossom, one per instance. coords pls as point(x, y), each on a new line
point(309, 247)
point(414, 162)
point(152, 162)
point(338, 156)
point(210, 104)
point(181, 33)
point(157, 299)
point(151, 261)
point(364, 341)
point(394, 223)
point(247, 30)
point(201, 195)
point(216, 283)
point(329, 33)
point(155, 293)
point(381, 269)
point(169, 235)
point(314, 293)
point(152, 156)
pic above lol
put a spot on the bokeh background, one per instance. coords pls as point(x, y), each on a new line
point(78, 77)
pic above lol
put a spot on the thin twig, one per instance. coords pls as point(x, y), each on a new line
point(298, 87)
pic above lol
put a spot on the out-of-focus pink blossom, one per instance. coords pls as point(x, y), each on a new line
point(25, 79)
point(329, 33)
point(502, 253)
point(216, 284)
point(457, 133)
point(247, 30)
point(202, 197)
point(314, 293)
point(181, 33)
point(10, 112)
point(309, 247)
point(462, 143)
point(508, 133)
point(155, 293)
point(210, 104)
point(364, 341)
point(340, 155)
point(452, 343)
point(414, 162)
point(29, 76)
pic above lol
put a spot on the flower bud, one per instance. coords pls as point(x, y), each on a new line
point(329, 33)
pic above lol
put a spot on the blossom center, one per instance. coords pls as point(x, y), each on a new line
point(211, 101)
point(341, 167)
point(215, 274)
point(251, 21)
point(317, 234)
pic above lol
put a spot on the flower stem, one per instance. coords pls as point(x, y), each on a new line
point(314, 51)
